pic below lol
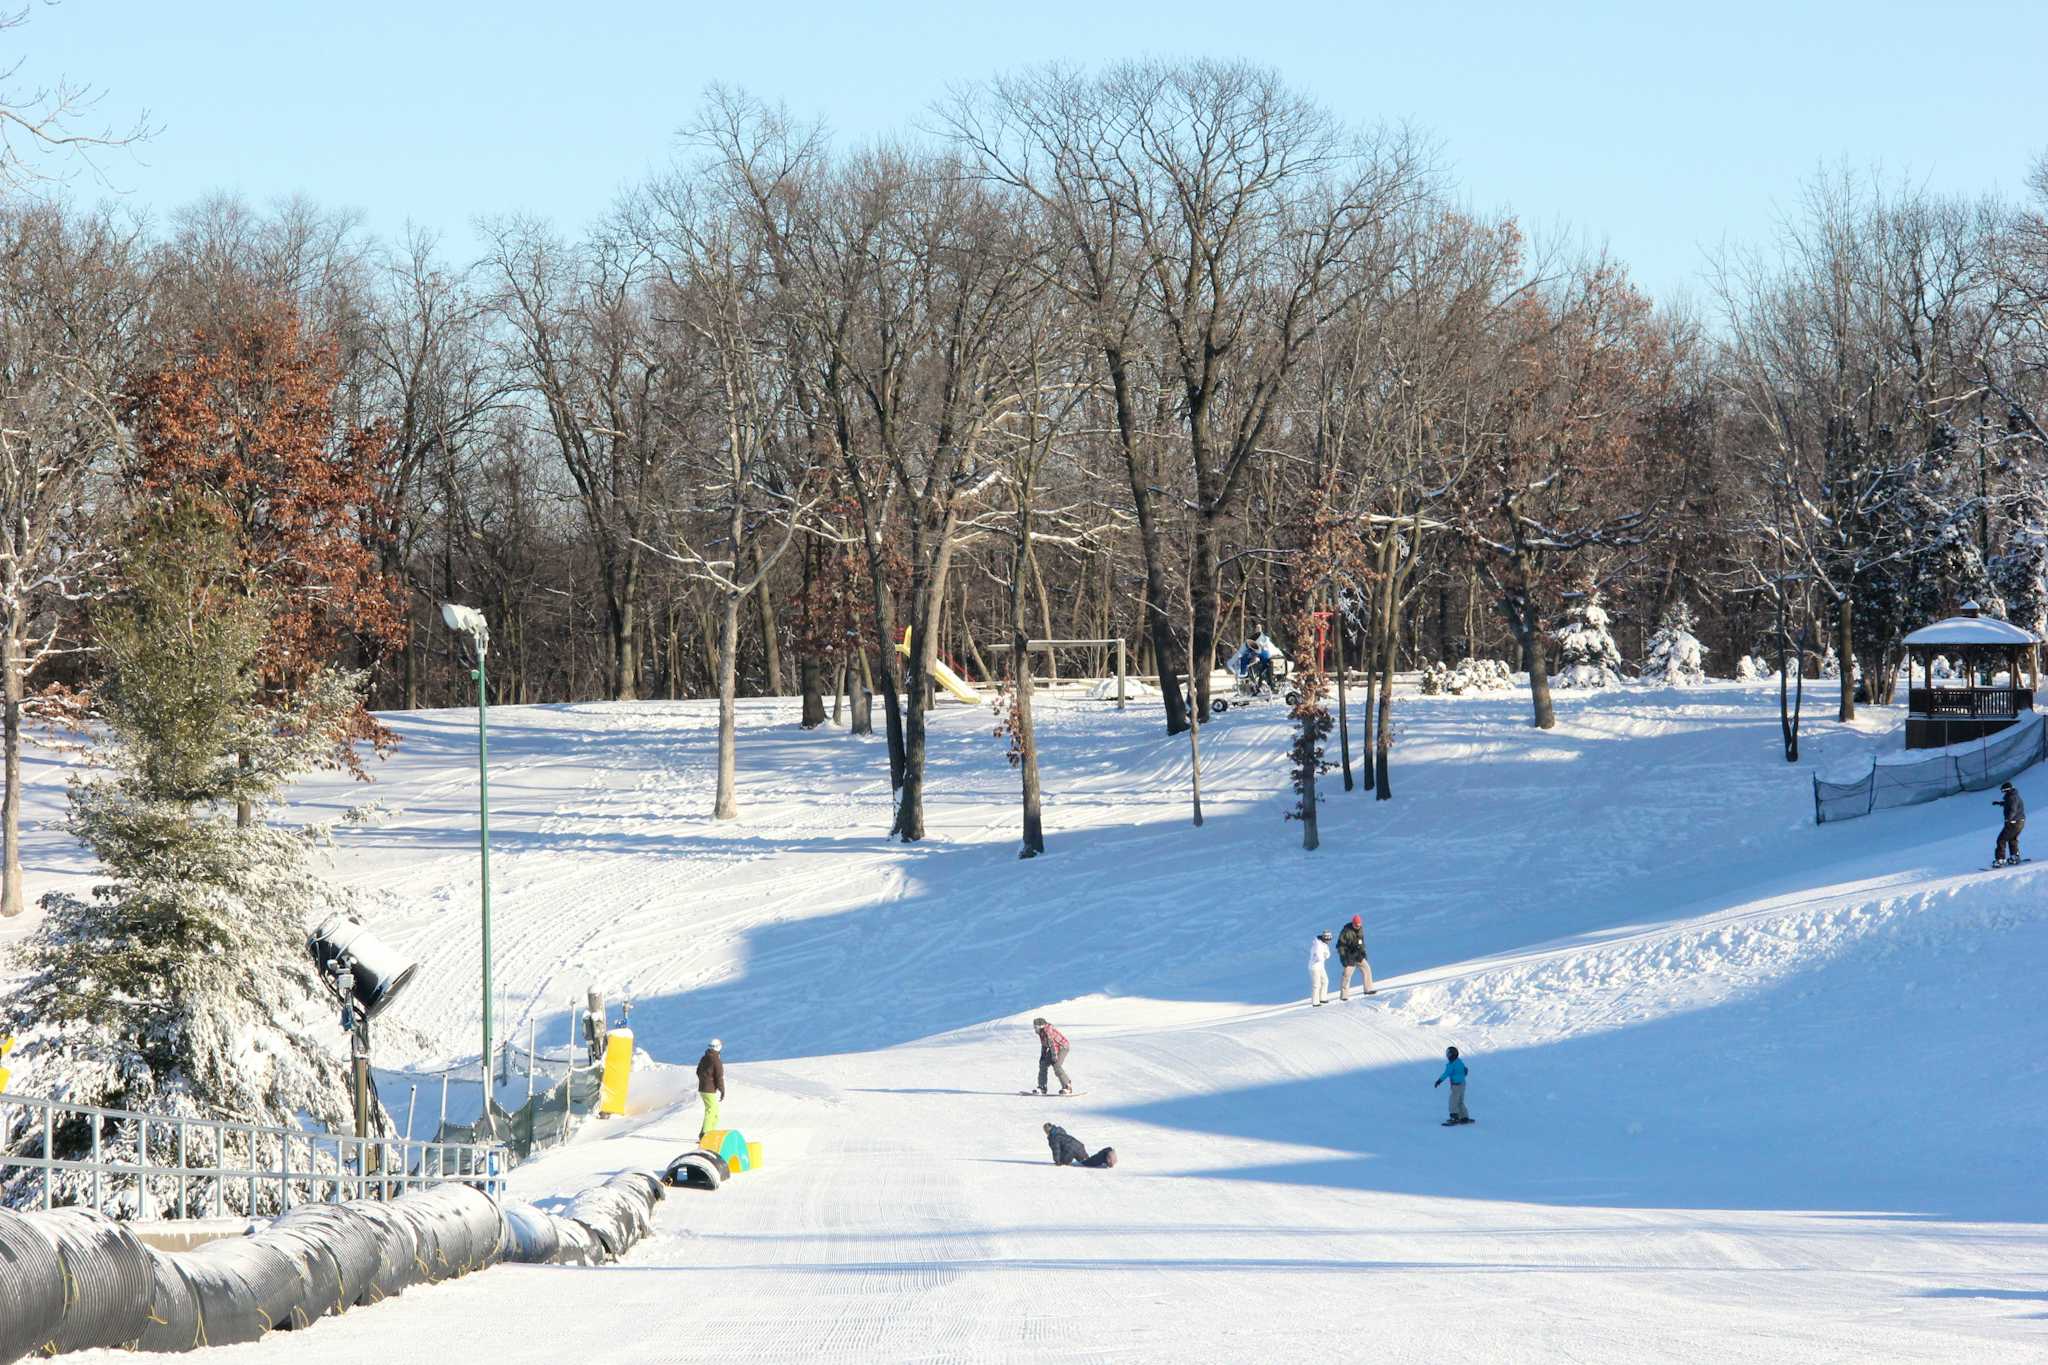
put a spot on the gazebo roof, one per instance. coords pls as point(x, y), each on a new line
point(1970, 629)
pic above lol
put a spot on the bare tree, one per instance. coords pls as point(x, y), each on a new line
point(51, 118)
point(71, 298)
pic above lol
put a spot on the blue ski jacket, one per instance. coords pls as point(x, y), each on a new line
point(1454, 1072)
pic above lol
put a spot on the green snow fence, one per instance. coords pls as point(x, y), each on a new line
point(542, 1122)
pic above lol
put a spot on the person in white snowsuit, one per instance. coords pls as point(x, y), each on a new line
point(1318, 968)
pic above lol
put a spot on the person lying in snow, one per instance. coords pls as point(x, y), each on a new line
point(1068, 1151)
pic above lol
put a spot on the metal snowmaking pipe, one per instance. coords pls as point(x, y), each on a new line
point(469, 621)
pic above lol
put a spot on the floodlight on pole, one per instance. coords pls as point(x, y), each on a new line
point(469, 621)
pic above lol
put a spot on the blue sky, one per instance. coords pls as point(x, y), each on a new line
point(1653, 130)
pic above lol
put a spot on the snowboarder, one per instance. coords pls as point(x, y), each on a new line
point(1454, 1072)
point(710, 1084)
point(1351, 954)
point(1052, 1050)
point(1318, 972)
point(1068, 1151)
point(2007, 849)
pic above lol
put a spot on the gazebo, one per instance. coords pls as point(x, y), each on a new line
point(1977, 704)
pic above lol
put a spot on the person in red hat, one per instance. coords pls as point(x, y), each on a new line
point(1351, 952)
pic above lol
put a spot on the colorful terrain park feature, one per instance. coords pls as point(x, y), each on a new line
point(942, 675)
point(618, 1073)
point(732, 1148)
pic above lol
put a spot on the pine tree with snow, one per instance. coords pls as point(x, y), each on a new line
point(181, 984)
point(1677, 658)
point(1587, 655)
point(1749, 668)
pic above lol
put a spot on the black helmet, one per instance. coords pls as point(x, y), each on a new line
point(1324, 936)
point(2005, 786)
point(1039, 1022)
point(1048, 1127)
point(1450, 1054)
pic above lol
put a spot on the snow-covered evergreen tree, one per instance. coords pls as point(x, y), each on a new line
point(1677, 658)
point(181, 984)
point(1749, 668)
point(2020, 574)
point(1587, 656)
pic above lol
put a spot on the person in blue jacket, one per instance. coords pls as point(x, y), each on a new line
point(1454, 1072)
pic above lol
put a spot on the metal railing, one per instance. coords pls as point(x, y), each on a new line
point(145, 1166)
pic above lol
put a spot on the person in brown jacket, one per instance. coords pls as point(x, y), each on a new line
point(710, 1084)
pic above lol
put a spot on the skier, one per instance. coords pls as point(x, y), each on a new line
point(710, 1084)
point(1454, 1072)
point(1318, 973)
point(2007, 849)
point(1052, 1050)
point(1068, 1151)
point(1351, 954)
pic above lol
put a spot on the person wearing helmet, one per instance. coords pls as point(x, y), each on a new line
point(710, 1084)
point(1318, 969)
point(1351, 955)
point(2007, 849)
point(1052, 1052)
point(1454, 1072)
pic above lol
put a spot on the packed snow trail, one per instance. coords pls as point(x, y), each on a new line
point(1746, 1088)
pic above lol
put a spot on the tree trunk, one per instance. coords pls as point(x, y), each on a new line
point(1845, 657)
point(1384, 740)
point(1305, 778)
point(812, 674)
point(860, 698)
point(1539, 675)
point(981, 668)
point(771, 643)
point(1343, 714)
point(1020, 701)
point(927, 605)
point(10, 802)
point(1367, 763)
point(726, 805)
point(1159, 624)
point(1202, 645)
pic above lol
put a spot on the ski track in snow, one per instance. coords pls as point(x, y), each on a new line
point(1746, 1088)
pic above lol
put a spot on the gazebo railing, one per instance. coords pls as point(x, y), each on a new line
point(1974, 703)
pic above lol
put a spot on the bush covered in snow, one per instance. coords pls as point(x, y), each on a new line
point(1470, 675)
point(181, 984)
point(1586, 653)
point(1677, 658)
point(1749, 668)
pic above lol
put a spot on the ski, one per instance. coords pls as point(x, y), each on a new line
point(1053, 1094)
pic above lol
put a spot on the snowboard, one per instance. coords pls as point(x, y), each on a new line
point(1053, 1094)
point(2014, 863)
point(1457, 1123)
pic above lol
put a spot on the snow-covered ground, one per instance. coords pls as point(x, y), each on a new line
point(1745, 1088)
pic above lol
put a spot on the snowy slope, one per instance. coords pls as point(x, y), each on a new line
point(1745, 1087)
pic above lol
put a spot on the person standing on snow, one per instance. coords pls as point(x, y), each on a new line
point(710, 1084)
point(2007, 849)
point(1318, 970)
point(1052, 1051)
point(1454, 1072)
point(1068, 1151)
point(1351, 955)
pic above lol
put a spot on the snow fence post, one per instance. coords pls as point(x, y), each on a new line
point(1818, 819)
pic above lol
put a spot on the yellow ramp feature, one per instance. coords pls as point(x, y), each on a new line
point(618, 1071)
point(942, 675)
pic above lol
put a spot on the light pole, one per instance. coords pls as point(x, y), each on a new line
point(470, 622)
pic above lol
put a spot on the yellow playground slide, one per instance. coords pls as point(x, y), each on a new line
point(944, 676)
